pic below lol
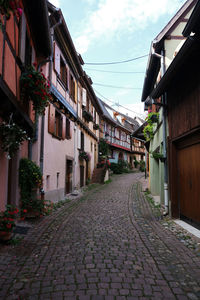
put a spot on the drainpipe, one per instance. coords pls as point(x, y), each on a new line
point(164, 116)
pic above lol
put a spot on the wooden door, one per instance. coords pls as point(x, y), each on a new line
point(68, 185)
point(81, 176)
point(188, 164)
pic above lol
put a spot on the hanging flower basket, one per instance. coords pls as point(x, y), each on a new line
point(35, 87)
point(10, 6)
point(84, 156)
point(12, 136)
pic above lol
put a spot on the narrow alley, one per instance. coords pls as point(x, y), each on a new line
point(106, 245)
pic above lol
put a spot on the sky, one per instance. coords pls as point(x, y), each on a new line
point(107, 31)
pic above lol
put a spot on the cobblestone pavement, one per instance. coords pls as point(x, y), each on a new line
point(106, 245)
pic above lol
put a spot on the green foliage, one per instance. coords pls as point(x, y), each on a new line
point(157, 155)
point(120, 167)
point(84, 155)
point(103, 147)
point(148, 132)
point(136, 162)
point(12, 136)
point(30, 178)
point(152, 118)
point(142, 165)
point(87, 115)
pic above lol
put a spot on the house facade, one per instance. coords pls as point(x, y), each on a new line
point(117, 130)
point(64, 130)
point(20, 46)
point(180, 84)
point(163, 51)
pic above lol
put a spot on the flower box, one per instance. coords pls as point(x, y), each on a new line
point(87, 115)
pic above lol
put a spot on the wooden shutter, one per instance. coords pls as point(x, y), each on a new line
point(84, 97)
point(63, 127)
point(51, 121)
point(56, 58)
point(68, 129)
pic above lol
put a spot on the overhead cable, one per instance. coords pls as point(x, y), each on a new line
point(119, 72)
point(117, 87)
point(116, 62)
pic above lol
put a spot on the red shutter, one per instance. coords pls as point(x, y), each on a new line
point(63, 128)
point(56, 58)
point(51, 121)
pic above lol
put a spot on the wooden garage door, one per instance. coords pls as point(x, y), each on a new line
point(188, 163)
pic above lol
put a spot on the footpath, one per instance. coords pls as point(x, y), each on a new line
point(109, 244)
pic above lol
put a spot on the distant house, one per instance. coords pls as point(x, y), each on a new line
point(181, 87)
point(117, 129)
point(20, 47)
point(163, 51)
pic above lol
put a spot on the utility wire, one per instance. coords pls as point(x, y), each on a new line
point(119, 72)
point(117, 104)
point(114, 86)
point(116, 62)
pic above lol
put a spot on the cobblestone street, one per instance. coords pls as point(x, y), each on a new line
point(106, 245)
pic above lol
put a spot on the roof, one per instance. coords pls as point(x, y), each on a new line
point(153, 65)
point(185, 62)
point(63, 36)
point(193, 24)
point(37, 15)
point(130, 124)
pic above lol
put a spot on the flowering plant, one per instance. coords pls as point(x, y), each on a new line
point(35, 87)
point(84, 155)
point(8, 6)
point(11, 136)
point(7, 218)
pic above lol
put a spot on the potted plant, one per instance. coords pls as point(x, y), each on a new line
point(87, 115)
point(12, 136)
point(7, 222)
point(35, 87)
point(158, 155)
point(152, 117)
point(95, 126)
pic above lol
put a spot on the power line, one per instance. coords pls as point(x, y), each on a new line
point(119, 72)
point(116, 62)
point(117, 104)
point(114, 86)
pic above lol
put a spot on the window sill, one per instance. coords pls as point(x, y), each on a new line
point(56, 137)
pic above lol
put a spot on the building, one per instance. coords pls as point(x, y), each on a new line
point(20, 46)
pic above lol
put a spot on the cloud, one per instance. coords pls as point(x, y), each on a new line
point(56, 3)
point(113, 17)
